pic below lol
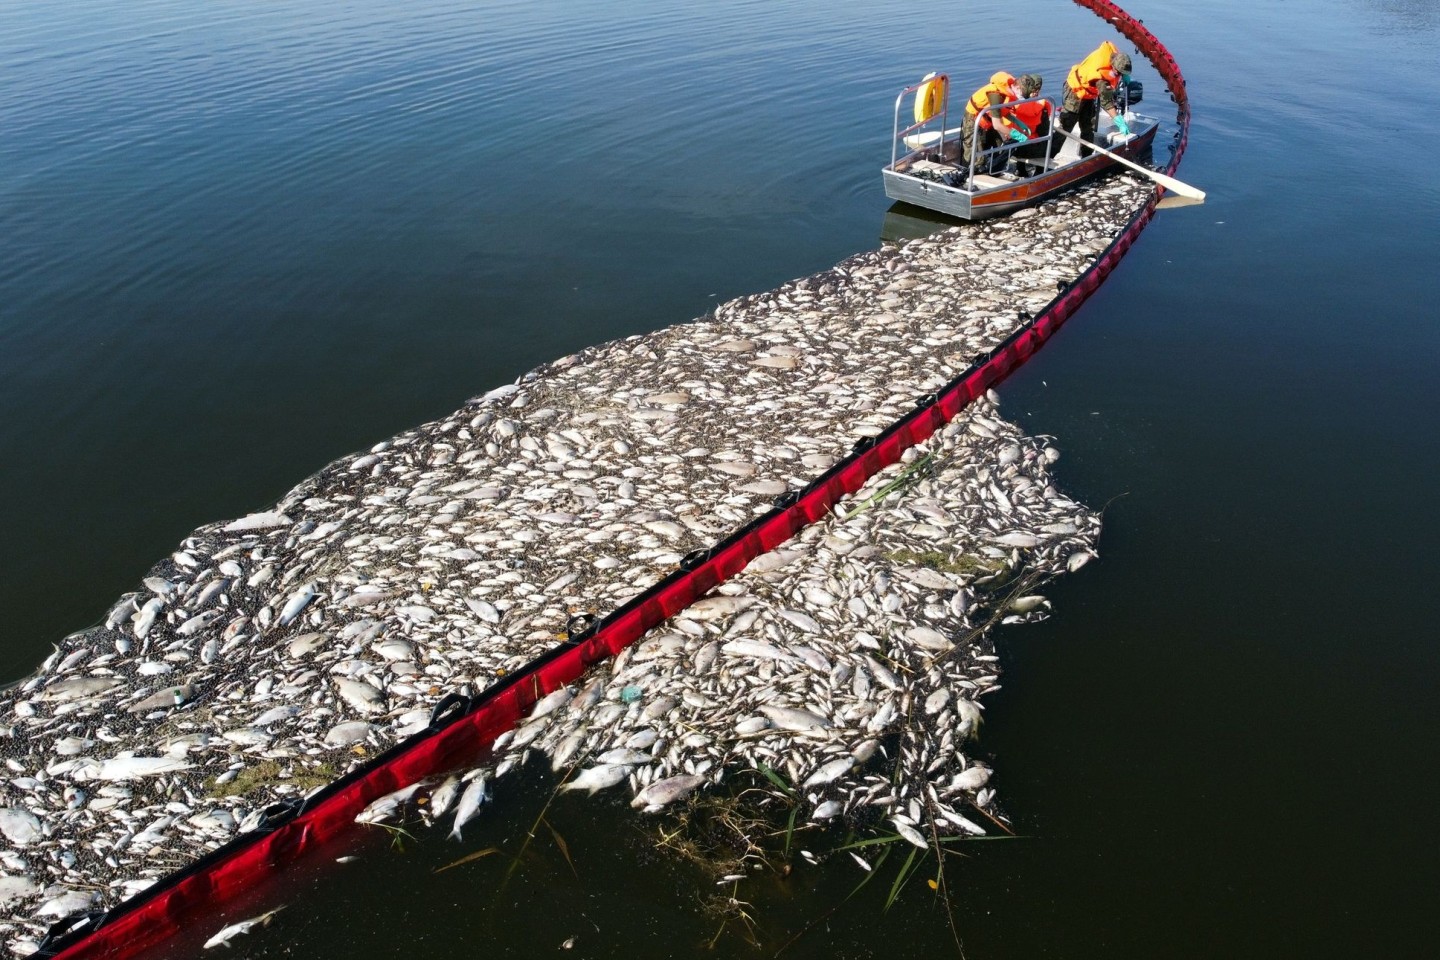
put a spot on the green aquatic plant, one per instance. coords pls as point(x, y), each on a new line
point(912, 474)
point(398, 836)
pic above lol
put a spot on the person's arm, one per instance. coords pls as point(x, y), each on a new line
point(1107, 97)
point(1110, 106)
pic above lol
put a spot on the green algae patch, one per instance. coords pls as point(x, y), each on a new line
point(966, 565)
point(267, 776)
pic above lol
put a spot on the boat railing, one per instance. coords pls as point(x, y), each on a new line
point(1008, 147)
point(901, 135)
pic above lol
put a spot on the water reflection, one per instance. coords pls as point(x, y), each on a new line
point(906, 222)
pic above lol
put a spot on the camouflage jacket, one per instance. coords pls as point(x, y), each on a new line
point(1107, 98)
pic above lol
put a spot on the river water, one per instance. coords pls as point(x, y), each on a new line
point(240, 240)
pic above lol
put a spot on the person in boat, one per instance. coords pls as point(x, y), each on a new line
point(1036, 118)
point(992, 127)
point(1090, 88)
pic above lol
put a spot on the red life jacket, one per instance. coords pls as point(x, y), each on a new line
point(1031, 114)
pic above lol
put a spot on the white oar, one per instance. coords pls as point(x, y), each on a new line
point(1169, 183)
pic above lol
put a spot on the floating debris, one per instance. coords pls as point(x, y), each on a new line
point(456, 552)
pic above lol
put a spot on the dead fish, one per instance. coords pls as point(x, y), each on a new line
point(443, 796)
point(275, 715)
point(971, 778)
point(910, 833)
point(165, 699)
point(295, 604)
point(247, 736)
point(624, 756)
point(388, 806)
point(13, 889)
point(772, 561)
point(144, 618)
point(752, 725)
point(360, 695)
point(67, 904)
point(754, 648)
point(130, 767)
point(347, 733)
point(799, 721)
point(471, 801)
point(883, 674)
point(597, 778)
point(77, 688)
point(1027, 603)
point(258, 521)
point(223, 938)
point(928, 638)
point(928, 578)
point(483, 609)
point(20, 827)
point(552, 701)
point(75, 657)
point(802, 620)
point(306, 644)
point(667, 791)
point(828, 772)
point(394, 649)
point(716, 607)
point(72, 746)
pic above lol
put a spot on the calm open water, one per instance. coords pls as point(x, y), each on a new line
point(238, 240)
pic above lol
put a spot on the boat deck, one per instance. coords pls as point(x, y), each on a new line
point(927, 162)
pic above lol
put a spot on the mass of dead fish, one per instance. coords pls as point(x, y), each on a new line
point(285, 647)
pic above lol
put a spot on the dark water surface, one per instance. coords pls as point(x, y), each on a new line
point(239, 240)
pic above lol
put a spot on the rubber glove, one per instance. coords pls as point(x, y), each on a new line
point(1017, 136)
point(1122, 125)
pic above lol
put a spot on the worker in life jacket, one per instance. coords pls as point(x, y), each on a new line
point(1091, 87)
point(993, 126)
point(1035, 115)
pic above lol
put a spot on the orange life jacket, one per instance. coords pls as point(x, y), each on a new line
point(1000, 83)
point(1088, 72)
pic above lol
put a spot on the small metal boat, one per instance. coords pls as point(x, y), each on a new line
point(926, 168)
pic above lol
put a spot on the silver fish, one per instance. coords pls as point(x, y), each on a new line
point(223, 938)
point(470, 803)
point(21, 827)
point(443, 796)
point(597, 778)
point(165, 698)
point(360, 695)
point(800, 721)
point(296, 602)
point(388, 806)
point(129, 767)
point(667, 791)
